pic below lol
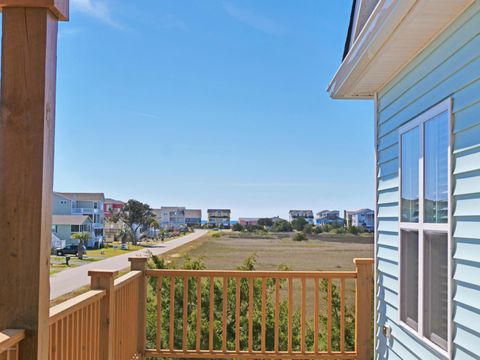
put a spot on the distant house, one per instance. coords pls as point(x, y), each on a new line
point(64, 226)
point(171, 217)
point(328, 217)
point(83, 204)
point(193, 217)
point(219, 218)
point(306, 214)
point(248, 221)
point(363, 218)
point(112, 207)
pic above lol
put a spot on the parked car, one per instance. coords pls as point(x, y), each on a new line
point(70, 250)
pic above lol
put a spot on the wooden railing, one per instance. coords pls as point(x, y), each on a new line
point(75, 326)
point(10, 343)
point(214, 314)
point(264, 314)
point(98, 325)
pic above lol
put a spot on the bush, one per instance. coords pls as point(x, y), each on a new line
point(299, 224)
point(300, 236)
point(282, 226)
point(339, 230)
point(218, 286)
point(216, 234)
point(237, 227)
point(308, 229)
point(353, 230)
point(327, 227)
point(318, 230)
point(265, 222)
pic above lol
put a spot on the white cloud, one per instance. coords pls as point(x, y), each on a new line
point(253, 20)
point(98, 9)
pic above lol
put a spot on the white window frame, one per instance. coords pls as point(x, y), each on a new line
point(421, 227)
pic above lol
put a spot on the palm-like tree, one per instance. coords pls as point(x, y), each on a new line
point(155, 226)
point(81, 237)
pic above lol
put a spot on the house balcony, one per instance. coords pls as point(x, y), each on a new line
point(85, 211)
point(212, 314)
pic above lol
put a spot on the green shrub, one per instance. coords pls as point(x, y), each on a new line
point(237, 227)
point(282, 226)
point(299, 223)
point(339, 230)
point(327, 227)
point(248, 265)
point(318, 230)
point(308, 229)
point(353, 230)
point(300, 236)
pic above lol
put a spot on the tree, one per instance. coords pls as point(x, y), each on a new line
point(237, 227)
point(282, 226)
point(265, 222)
point(136, 216)
point(299, 223)
point(81, 237)
point(155, 226)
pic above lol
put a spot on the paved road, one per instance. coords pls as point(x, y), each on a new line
point(71, 279)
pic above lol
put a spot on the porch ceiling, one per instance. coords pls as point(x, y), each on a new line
point(393, 35)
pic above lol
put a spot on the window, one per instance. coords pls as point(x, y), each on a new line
point(424, 226)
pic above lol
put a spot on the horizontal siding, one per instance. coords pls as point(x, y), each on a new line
point(388, 196)
point(467, 205)
point(467, 339)
point(467, 117)
point(449, 67)
point(467, 294)
point(467, 184)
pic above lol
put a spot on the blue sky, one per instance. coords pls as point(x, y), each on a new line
point(206, 103)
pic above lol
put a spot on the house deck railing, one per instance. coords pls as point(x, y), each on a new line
point(10, 343)
point(213, 314)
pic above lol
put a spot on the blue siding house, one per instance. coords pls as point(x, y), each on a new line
point(419, 61)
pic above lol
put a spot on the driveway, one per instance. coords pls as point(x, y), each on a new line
point(71, 279)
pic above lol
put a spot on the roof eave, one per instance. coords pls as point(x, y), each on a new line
point(373, 61)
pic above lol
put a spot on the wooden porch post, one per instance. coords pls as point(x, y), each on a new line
point(104, 280)
point(364, 309)
point(27, 123)
point(140, 264)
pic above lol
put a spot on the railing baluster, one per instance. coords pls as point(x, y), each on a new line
point(264, 313)
point(303, 315)
point(250, 315)
point(316, 300)
point(159, 313)
point(329, 316)
point(172, 314)
point(290, 314)
point(277, 313)
point(185, 313)
point(199, 314)
point(342, 315)
point(210, 322)
point(224, 314)
point(257, 346)
point(237, 314)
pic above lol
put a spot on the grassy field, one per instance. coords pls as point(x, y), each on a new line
point(320, 252)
